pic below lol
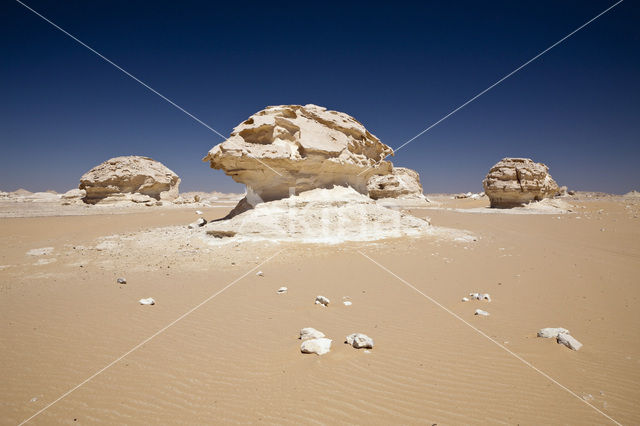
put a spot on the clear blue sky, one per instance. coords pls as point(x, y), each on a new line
point(397, 67)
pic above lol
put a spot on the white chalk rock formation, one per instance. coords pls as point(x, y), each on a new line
point(297, 148)
point(569, 341)
point(73, 196)
point(316, 346)
point(402, 183)
point(359, 340)
point(513, 182)
point(131, 178)
point(328, 216)
point(310, 333)
point(552, 332)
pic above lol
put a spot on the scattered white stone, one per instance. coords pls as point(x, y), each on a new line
point(319, 346)
point(310, 333)
point(44, 251)
point(347, 303)
point(465, 299)
point(321, 300)
point(282, 290)
point(475, 296)
point(198, 212)
point(486, 297)
point(359, 340)
point(260, 274)
point(121, 280)
point(34, 399)
point(198, 223)
point(569, 341)
point(552, 332)
point(147, 301)
point(481, 313)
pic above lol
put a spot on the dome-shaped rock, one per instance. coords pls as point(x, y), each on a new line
point(513, 182)
point(289, 148)
point(120, 178)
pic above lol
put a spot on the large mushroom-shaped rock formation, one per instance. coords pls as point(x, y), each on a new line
point(298, 148)
point(513, 182)
point(130, 178)
point(402, 183)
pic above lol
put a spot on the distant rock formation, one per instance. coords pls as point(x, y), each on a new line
point(401, 183)
point(300, 147)
point(513, 182)
point(131, 178)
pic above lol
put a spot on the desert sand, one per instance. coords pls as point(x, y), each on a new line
point(221, 345)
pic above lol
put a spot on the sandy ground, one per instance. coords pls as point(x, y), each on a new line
point(236, 358)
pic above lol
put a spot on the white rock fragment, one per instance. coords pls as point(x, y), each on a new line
point(260, 274)
point(486, 297)
point(282, 290)
point(359, 340)
point(198, 223)
point(199, 212)
point(552, 332)
point(347, 303)
point(569, 341)
point(481, 313)
point(319, 346)
point(465, 299)
point(475, 296)
point(147, 301)
point(321, 300)
point(310, 333)
point(121, 280)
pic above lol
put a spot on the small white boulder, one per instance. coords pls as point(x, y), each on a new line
point(198, 212)
point(347, 303)
point(359, 340)
point(310, 333)
point(260, 274)
point(147, 301)
point(465, 299)
point(569, 341)
point(198, 223)
point(282, 290)
point(481, 313)
point(319, 346)
point(321, 300)
point(551, 332)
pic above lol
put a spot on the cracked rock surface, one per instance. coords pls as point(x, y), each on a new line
point(513, 182)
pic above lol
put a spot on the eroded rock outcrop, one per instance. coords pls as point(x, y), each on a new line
point(513, 182)
point(130, 178)
point(400, 183)
point(327, 216)
point(300, 147)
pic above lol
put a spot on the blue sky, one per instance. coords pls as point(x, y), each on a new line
point(397, 67)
